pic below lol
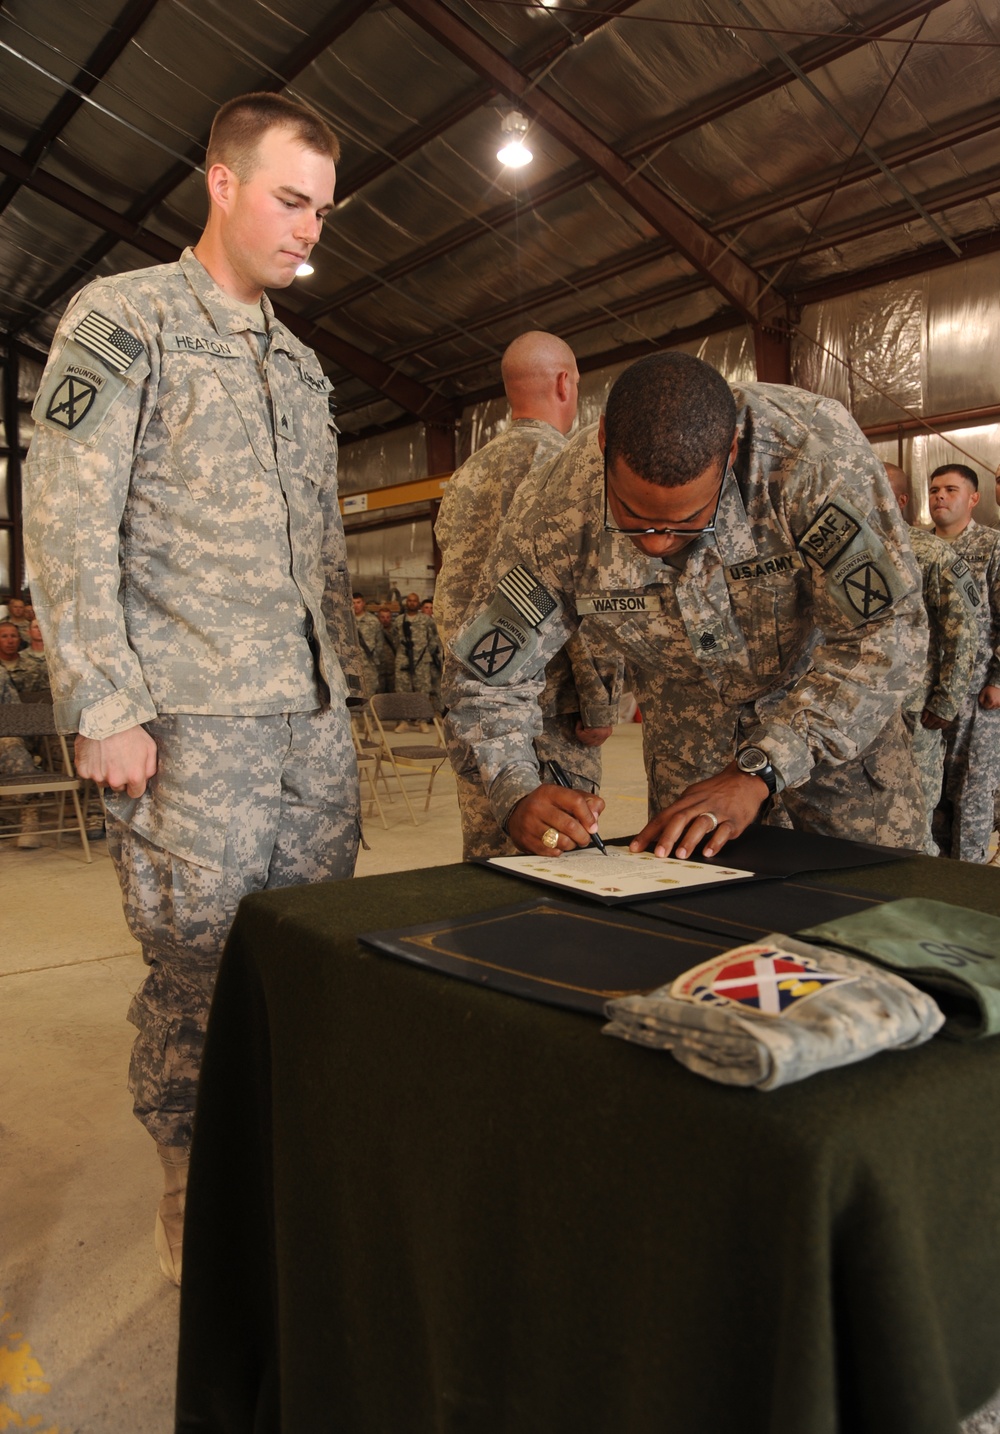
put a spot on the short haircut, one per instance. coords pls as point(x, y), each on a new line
point(962, 469)
point(669, 417)
point(241, 124)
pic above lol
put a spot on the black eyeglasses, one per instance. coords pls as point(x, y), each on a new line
point(665, 532)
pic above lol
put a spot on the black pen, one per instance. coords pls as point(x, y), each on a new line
point(561, 780)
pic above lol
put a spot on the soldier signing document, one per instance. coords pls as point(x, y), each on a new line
point(742, 549)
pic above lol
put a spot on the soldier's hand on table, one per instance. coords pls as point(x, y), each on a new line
point(124, 762)
point(592, 736)
point(731, 796)
point(572, 814)
point(932, 722)
point(989, 698)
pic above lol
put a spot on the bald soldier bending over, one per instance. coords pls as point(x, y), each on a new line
point(579, 701)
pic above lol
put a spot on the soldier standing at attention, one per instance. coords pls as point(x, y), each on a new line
point(964, 820)
point(951, 597)
point(743, 550)
point(579, 703)
point(372, 642)
point(189, 564)
point(418, 654)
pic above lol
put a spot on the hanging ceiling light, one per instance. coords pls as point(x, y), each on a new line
point(304, 270)
point(514, 152)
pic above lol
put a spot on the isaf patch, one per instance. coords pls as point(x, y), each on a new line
point(826, 538)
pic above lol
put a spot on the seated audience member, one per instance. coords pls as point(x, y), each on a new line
point(26, 666)
point(964, 819)
point(18, 612)
point(15, 761)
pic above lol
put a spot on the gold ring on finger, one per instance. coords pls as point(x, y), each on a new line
point(550, 838)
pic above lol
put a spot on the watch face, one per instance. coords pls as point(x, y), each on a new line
point(751, 759)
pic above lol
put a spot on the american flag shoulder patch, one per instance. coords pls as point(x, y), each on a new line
point(115, 346)
point(530, 597)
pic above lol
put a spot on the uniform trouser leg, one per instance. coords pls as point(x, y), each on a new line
point(927, 744)
point(964, 821)
point(876, 798)
point(482, 835)
point(237, 805)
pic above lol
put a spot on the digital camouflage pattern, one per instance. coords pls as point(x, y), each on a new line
point(239, 804)
point(964, 820)
point(170, 471)
point(951, 600)
point(577, 687)
point(371, 640)
point(188, 565)
point(15, 759)
point(30, 673)
point(418, 654)
point(797, 626)
point(776, 1012)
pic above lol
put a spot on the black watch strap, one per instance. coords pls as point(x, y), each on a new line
point(755, 762)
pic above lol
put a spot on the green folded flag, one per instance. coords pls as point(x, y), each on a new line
point(949, 951)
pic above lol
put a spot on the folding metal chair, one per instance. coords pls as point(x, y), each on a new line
point(416, 757)
point(35, 719)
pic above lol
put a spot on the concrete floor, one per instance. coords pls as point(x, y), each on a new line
point(88, 1326)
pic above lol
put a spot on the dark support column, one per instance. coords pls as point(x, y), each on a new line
point(12, 435)
point(440, 439)
point(773, 354)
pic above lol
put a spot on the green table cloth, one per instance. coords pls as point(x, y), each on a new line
point(421, 1207)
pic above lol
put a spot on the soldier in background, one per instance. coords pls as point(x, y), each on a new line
point(580, 699)
point(951, 599)
point(372, 643)
point(418, 654)
point(743, 550)
point(386, 619)
point(964, 819)
point(190, 571)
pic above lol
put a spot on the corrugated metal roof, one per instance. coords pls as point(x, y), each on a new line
point(797, 146)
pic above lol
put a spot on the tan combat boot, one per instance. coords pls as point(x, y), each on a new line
point(169, 1230)
point(29, 838)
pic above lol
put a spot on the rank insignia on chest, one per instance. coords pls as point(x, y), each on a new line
point(763, 979)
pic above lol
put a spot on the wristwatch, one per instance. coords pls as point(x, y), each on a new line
point(755, 762)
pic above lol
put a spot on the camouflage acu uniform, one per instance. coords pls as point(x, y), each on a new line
point(189, 567)
point(964, 821)
point(418, 654)
point(30, 673)
point(797, 625)
point(951, 599)
point(577, 688)
point(15, 759)
point(372, 642)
